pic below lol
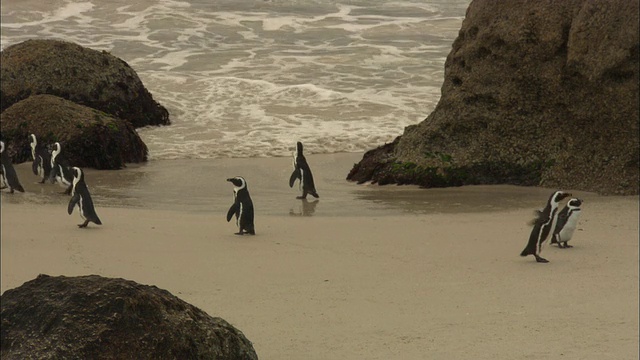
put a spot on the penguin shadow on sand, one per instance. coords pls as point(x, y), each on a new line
point(306, 208)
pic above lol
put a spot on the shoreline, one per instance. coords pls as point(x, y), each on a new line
point(199, 185)
point(388, 281)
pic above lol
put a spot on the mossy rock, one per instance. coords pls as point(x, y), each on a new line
point(94, 317)
point(89, 137)
point(535, 93)
point(85, 76)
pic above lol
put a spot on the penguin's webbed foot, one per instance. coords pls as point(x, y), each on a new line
point(566, 246)
point(541, 259)
point(301, 197)
point(239, 233)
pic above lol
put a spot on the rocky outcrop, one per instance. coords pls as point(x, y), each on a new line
point(535, 93)
point(92, 317)
point(89, 138)
point(85, 76)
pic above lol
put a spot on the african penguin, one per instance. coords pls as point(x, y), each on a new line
point(60, 169)
point(242, 206)
point(80, 196)
point(41, 159)
point(567, 221)
point(543, 225)
point(302, 171)
point(7, 172)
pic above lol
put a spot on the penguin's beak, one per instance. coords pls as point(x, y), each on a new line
point(229, 179)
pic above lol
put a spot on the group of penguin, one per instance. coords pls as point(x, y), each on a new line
point(49, 164)
point(242, 206)
point(548, 221)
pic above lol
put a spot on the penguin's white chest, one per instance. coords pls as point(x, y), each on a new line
point(81, 208)
point(572, 222)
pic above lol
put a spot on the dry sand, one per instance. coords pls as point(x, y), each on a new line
point(390, 281)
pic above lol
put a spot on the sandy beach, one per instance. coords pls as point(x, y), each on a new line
point(367, 272)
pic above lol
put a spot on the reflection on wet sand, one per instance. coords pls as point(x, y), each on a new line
point(477, 198)
point(198, 185)
point(306, 208)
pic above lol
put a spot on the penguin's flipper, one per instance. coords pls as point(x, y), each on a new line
point(294, 176)
point(72, 203)
point(53, 174)
point(563, 217)
point(232, 211)
point(36, 164)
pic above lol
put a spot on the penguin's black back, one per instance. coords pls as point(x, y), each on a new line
point(88, 210)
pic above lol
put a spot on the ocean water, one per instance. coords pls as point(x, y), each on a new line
point(249, 78)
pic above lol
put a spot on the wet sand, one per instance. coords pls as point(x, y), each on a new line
point(366, 272)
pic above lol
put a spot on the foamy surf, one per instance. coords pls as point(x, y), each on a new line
point(250, 78)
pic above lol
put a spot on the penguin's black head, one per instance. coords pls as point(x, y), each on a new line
point(77, 173)
point(559, 195)
point(238, 181)
point(575, 203)
point(299, 148)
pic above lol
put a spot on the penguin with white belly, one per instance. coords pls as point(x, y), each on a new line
point(242, 206)
point(8, 176)
point(60, 170)
point(302, 172)
point(567, 222)
point(41, 159)
point(543, 225)
point(80, 196)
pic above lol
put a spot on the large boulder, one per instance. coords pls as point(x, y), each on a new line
point(85, 76)
point(535, 93)
point(92, 317)
point(89, 137)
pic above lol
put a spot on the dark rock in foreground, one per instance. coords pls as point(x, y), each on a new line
point(85, 76)
point(92, 317)
point(535, 93)
point(89, 138)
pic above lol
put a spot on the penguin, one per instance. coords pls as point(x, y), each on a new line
point(567, 221)
point(242, 206)
point(60, 170)
point(543, 225)
point(80, 196)
point(302, 171)
point(41, 159)
point(7, 172)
